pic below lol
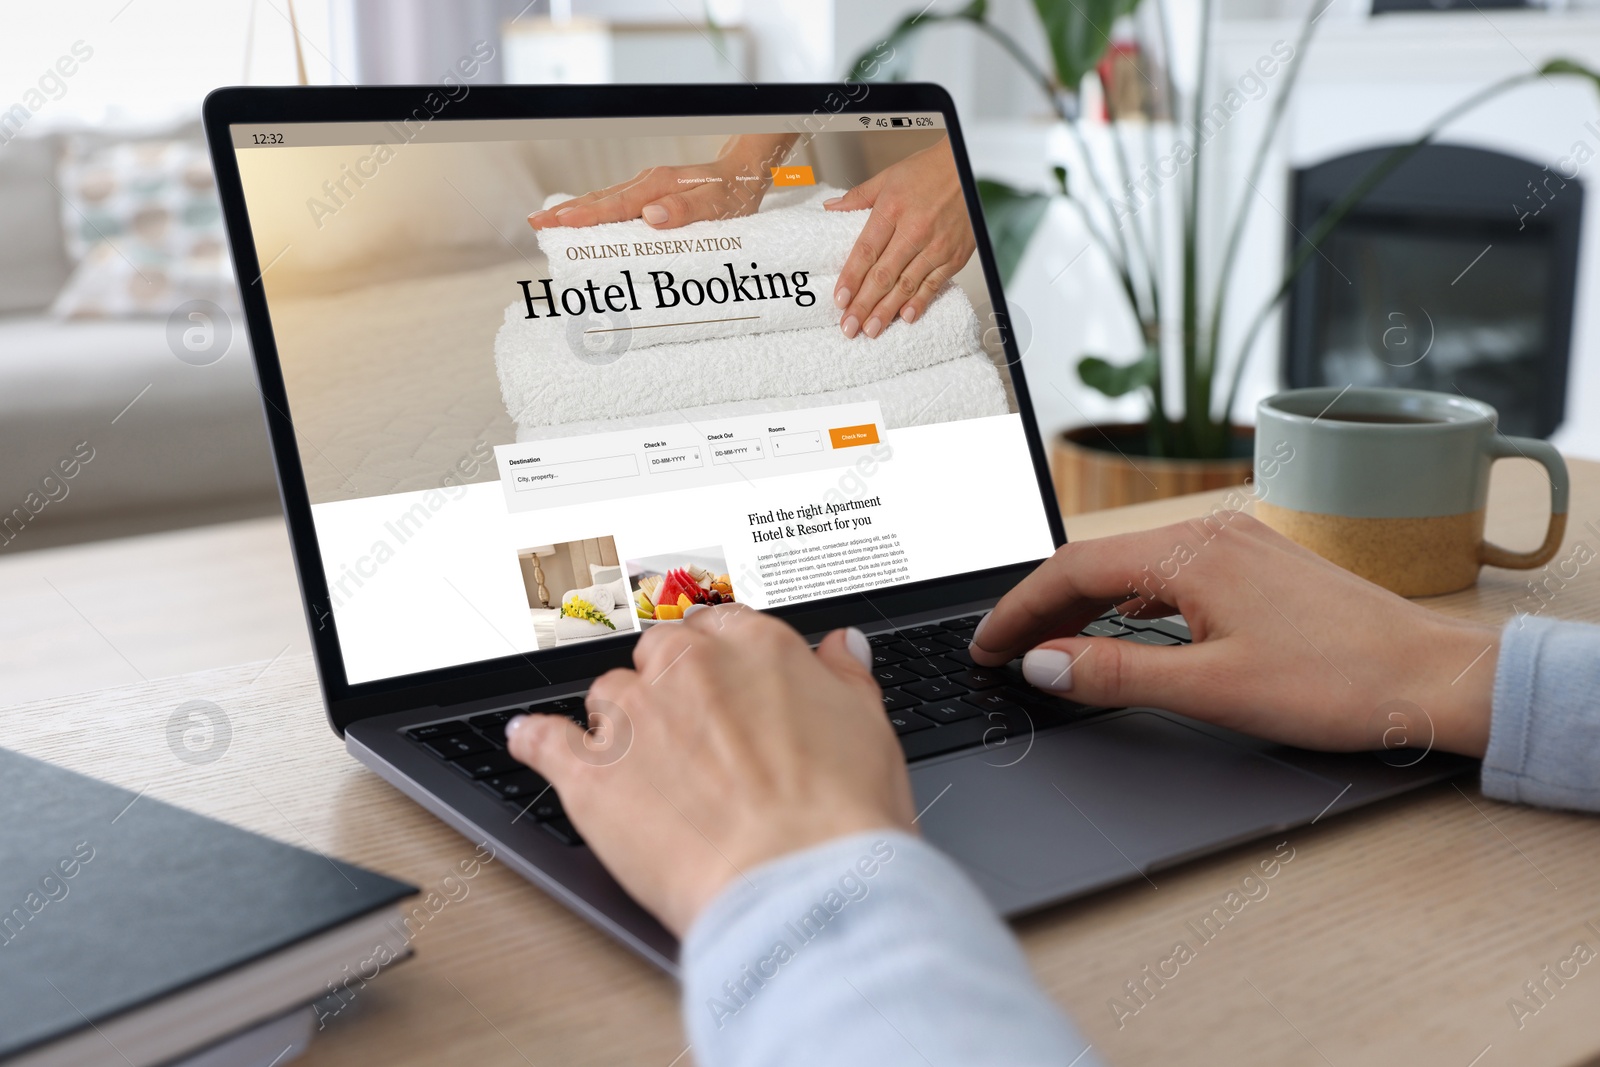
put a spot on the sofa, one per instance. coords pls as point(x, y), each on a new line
point(112, 424)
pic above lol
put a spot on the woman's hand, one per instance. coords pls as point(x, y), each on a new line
point(731, 743)
point(1287, 646)
point(918, 236)
point(667, 197)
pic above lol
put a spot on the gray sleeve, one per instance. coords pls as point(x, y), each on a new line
point(1544, 737)
point(872, 949)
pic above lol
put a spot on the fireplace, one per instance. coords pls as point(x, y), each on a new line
point(1456, 273)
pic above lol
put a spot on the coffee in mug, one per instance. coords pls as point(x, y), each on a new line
point(1392, 483)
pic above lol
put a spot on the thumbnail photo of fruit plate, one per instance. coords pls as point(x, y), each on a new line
point(664, 587)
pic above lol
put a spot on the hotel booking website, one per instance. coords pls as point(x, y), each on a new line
point(558, 381)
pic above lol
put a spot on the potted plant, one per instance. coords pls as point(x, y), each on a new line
point(1187, 441)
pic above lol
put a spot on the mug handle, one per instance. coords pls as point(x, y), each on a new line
point(1542, 452)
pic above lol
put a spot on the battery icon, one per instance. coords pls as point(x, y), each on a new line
point(898, 122)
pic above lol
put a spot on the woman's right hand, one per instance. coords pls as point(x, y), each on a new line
point(1287, 646)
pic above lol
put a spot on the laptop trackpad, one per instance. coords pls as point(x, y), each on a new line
point(1093, 805)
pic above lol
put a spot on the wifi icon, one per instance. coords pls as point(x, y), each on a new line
point(865, 120)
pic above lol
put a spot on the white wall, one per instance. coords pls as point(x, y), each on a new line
point(153, 63)
point(1368, 82)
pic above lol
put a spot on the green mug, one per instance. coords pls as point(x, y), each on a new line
point(1392, 483)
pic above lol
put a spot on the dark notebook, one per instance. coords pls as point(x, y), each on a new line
point(111, 901)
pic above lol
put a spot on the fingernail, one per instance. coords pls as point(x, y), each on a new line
point(832, 200)
point(1049, 669)
point(654, 214)
point(841, 298)
point(977, 631)
point(874, 326)
point(692, 608)
point(851, 326)
point(511, 726)
point(856, 643)
point(908, 313)
point(565, 211)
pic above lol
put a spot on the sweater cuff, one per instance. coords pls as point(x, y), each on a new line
point(1544, 734)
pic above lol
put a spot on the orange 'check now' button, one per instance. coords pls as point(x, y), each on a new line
point(850, 436)
point(782, 176)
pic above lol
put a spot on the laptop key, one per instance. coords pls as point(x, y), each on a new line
point(961, 656)
point(977, 679)
point(990, 700)
point(885, 657)
point(517, 785)
point(894, 700)
point(547, 807)
point(487, 765)
point(927, 646)
point(571, 707)
point(1151, 637)
point(966, 622)
point(892, 675)
point(916, 632)
point(494, 721)
point(925, 743)
point(946, 712)
point(881, 640)
point(931, 667)
point(934, 689)
point(1172, 628)
point(954, 639)
point(561, 828)
point(904, 722)
point(436, 729)
point(454, 746)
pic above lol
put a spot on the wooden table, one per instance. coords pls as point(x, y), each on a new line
point(1396, 935)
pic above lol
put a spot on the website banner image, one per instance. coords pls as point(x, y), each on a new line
point(553, 381)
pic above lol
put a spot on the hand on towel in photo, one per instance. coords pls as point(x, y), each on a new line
point(916, 239)
point(728, 187)
point(918, 236)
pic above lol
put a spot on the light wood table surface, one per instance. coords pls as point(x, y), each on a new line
point(1396, 935)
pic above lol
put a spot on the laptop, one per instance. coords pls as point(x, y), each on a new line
point(507, 447)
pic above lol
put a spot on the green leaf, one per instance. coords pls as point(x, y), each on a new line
point(1569, 66)
point(1078, 32)
point(890, 59)
point(1118, 379)
point(1012, 215)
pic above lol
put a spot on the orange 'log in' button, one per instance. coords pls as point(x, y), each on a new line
point(785, 176)
point(850, 436)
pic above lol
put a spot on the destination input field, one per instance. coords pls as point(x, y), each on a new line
point(528, 477)
point(677, 459)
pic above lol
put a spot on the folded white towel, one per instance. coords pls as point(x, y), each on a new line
point(549, 376)
point(966, 388)
point(791, 231)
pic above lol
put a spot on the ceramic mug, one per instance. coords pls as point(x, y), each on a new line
point(1392, 483)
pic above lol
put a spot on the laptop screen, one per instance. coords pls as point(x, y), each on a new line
point(554, 381)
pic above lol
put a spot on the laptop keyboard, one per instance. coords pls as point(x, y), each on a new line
point(937, 699)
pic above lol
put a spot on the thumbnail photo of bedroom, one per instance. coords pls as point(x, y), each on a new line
point(576, 592)
point(664, 587)
point(402, 319)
